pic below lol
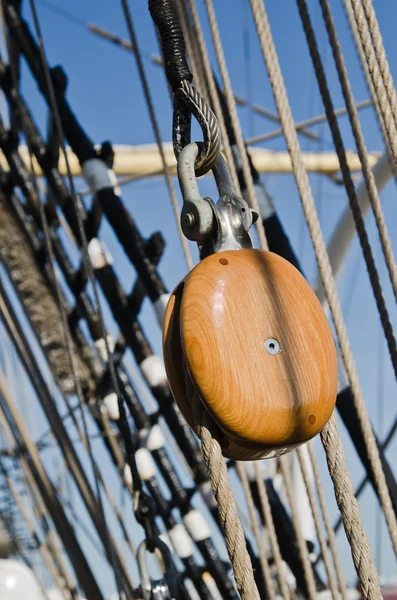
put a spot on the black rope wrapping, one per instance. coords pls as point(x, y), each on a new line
point(172, 42)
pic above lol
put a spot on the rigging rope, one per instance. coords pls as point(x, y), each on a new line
point(212, 454)
point(303, 549)
point(385, 94)
point(222, 490)
point(327, 522)
point(368, 255)
point(359, 543)
point(364, 66)
point(316, 518)
point(109, 547)
point(269, 524)
point(213, 93)
point(251, 197)
point(241, 470)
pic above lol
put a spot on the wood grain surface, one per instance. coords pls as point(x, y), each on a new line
point(216, 326)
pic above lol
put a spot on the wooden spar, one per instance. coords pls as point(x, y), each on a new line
point(145, 161)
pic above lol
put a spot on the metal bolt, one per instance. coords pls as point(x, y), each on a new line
point(272, 346)
point(189, 220)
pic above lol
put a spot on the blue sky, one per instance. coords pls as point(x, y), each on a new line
point(105, 92)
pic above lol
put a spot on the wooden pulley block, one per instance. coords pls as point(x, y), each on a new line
point(253, 338)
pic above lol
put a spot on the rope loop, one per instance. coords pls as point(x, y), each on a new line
point(188, 102)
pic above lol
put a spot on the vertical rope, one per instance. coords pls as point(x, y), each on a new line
point(327, 522)
point(317, 522)
point(267, 576)
point(367, 75)
point(349, 509)
point(388, 116)
point(252, 200)
point(228, 514)
point(361, 148)
point(213, 93)
point(303, 550)
point(269, 524)
point(381, 56)
point(230, 522)
point(368, 578)
point(372, 448)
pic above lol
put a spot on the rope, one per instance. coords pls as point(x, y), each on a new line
point(156, 130)
point(373, 451)
point(191, 51)
point(361, 148)
point(267, 576)
point(228, 515)
point(269, 524)
point(301, 177)
point(350, 511)
point(367, 75)
point(252, 200)
point(381, 56)
point(208, 73)
point(302, 546)
point(327, 522)
point(316, 518)
point(385, 104)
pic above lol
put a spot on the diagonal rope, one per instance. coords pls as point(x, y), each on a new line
point(348, 506)
point(361, 148)
point(227, 508)
point(111, 549)
point(381, 56)
point(316, 517)
point(302, 546)
point(213, 92)
point(384, 95)
point(269, 524)
point(327, 522)
point(367, 75)
point(267, 576)
point(252, 200)
point(360, 547)
point(369, 437)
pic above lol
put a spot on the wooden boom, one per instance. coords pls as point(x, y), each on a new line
point(145, 161)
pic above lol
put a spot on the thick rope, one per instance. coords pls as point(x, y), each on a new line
point(361, 148)
point(381, 56)
point(368, 578)
point(209, 77)
point(156, 130)
point(229, 97)
point(267, 576)
point(191, 52)
point(389, 121)
point(327, 522)
point(349, 509)
point(228, 514)
point(317, 521)
point(373, 451)
point(302, 546)
point(367, 75)
point(269, 524)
